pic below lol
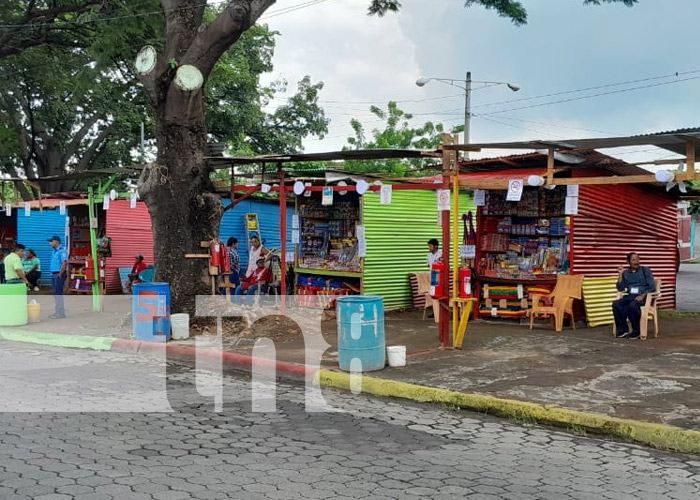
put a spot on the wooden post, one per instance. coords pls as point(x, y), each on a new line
point(690, 158)
point(444, 324)
point(550, 166)
point(283, 238)
point(455, 240)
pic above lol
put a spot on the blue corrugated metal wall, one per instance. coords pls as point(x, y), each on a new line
point(33, 231)
point(233, 224)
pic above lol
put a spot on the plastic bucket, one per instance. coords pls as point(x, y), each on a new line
point(361, 344)
point(180, 324)
point(396, 355)
point(13, 304)
point(150, 311)
point(33, 312)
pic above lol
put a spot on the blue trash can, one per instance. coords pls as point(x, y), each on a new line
point(150, 311)
point(361, 332)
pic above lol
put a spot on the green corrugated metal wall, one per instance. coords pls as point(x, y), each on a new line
point(397, 236)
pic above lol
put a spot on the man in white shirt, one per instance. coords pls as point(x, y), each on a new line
point(435, 253)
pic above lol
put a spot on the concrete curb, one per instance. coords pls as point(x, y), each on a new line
point(646, 433)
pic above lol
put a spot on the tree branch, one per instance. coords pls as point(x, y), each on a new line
point(89, 154)
point(181, 22)
point(72, 148)
point(216, 38)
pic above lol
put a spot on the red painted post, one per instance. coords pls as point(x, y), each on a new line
point(283, 238)
point(444, 325)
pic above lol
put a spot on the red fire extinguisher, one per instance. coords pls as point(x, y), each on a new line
point(215, 253)
point(225, 263)
point(465, 283)
point(437, 280)
point(89, 269)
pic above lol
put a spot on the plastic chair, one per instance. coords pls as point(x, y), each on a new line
point(562, 298)
point(649, 309)
point(424, 288)
point(146, 276)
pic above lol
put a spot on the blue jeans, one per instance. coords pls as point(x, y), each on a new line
point(250, 293)
point(58, 284)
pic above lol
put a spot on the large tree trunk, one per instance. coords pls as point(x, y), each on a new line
point(183, 210)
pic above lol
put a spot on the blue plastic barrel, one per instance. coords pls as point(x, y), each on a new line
point(361, 333)
point(150, 311)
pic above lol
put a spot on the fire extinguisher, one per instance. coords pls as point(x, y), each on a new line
point(225, 263)
point(89, 269)
point(437, 280)
point(465, 283)
point(215, 253)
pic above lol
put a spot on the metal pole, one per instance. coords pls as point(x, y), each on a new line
point(467, 111)
point(283, 238)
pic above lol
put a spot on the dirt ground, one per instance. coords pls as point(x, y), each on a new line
point(655, 380)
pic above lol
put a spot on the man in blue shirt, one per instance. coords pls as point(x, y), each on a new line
point(636, 282)
point(59, 272)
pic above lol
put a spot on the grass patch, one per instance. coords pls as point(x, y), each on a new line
point(678, 314)
point(576, 430)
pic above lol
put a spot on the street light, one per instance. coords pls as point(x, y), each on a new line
point(421, 82)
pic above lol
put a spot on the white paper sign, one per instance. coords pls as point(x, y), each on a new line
point(105, 202)
point(361, 241)
point(571, 205)
point(93, 223)
point(289, 257)
point(8, 209)
point(295, 221)
point(62, 208)
point(467, 251)
point(572, 190)
point(515, 190)
point(443, 199)
point(27, 209)
point(327, 198)
point(521, 292)
point(295, 237)
point(307, 193)
point(479, 197)
point(385, 194)
point(132, 200)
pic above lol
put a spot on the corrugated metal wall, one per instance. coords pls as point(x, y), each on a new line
point(616, 219)
point(233, 224)
point(33, 231)
point(397, 236)
point(130, 231)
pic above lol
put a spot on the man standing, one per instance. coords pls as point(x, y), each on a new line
point(59, 262)
point(257, 250)
point(14, 271)
point(434, 252)
point(637, 282)
point(234, 260)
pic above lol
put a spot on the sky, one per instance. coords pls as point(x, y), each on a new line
point(565, 46)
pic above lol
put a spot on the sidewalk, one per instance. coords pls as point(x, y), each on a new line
point(588, 370)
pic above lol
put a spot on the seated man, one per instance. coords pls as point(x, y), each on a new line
point(139, 266)
point(250, 285)
point(32, 269)
point(637, 282)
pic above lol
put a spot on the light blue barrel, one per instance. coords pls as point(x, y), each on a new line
point(150, 311)
point(361, 333)
point(13, 304)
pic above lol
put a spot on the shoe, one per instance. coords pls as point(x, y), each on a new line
point(57, 316)
point(634, 336)
point(36, 288)
point(622, 335)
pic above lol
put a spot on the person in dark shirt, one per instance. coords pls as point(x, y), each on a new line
point(636, 282)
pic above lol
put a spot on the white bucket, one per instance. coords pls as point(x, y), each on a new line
point(396, 355)
point(180, 326)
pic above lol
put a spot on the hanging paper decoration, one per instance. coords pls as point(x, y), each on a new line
point(327, 198)
point(385, 195)
point(62, 208)
point(298, 188)
point(515, 190)
point(307, 193)
point(27, 209)
point(572, 190)
point(361, 187)
point(105, 202)
point(265, 188)
point(443, 200)
point(132, 200)
point(113, 194)
point(479, 197)
point(8, 209)
point(342, 183)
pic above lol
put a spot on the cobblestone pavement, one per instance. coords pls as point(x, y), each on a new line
point(367, 448)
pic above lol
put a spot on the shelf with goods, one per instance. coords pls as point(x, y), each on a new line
point(523, 246)
point(82, 270)
point(327, 253)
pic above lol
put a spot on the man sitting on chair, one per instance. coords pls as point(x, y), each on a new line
point(250, 285)
point(138, 267)
point(637, 282)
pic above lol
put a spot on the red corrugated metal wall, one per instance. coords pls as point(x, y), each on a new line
point(613, 220)
point(130, 230)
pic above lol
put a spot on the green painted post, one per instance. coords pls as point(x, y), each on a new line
point(96, 300)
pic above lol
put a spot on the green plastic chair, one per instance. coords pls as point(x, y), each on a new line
point(146, 276)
